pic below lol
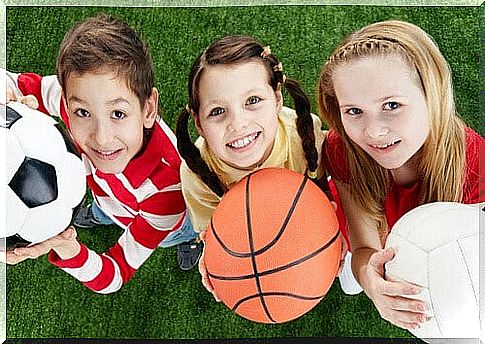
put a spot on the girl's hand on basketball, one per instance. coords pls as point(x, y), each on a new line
point(203, 271)
point(393, 299)
point(345, 249)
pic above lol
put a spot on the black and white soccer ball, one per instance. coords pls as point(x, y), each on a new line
point(45, 176)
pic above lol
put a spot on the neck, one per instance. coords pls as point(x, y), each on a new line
point(408, 173)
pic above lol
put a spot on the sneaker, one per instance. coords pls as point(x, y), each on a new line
point(347, 281)
point(188, 253)
point(85, 218)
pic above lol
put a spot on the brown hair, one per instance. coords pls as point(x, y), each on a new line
point(442, 164)
point(104, 43)
point(237, 49)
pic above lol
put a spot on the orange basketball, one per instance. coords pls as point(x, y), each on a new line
point(273, 246)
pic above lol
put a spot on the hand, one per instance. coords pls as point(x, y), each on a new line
point(393, 299)
point(28, 100)
point(203, 271)
point(343, 253)
point(64, 244)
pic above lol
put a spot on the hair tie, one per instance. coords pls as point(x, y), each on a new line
point(278, 67)
point(284, 79)
point(311, 174)
point(266, 52)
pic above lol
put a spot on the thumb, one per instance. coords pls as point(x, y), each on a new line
point(69, 233)
point(378, 259)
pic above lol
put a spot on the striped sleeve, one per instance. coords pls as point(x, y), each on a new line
point(105, 273)
point(46, 90)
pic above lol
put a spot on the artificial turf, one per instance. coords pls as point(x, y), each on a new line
point(161, 301)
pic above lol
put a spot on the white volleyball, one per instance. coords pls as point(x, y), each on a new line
point(437, 248)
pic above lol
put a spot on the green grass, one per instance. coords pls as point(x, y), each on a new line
point(161, 301)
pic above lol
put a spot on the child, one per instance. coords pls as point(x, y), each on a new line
point(107, 99)
point(395, 142)
point(236, 103)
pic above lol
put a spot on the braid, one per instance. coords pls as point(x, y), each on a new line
point(304, 123)
point(191, 154)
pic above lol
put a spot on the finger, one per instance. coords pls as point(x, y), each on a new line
point(334, 205)
point(381, 257)
point(30, 101)
point(202, 235)
point(407, 305)
point(406, 319)
point(400, 288)
point(10, 96)
point(11, 258)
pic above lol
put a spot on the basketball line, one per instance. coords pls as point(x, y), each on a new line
point(279, 268)
point(274, 293)
point(276, 238)
point(253, 257)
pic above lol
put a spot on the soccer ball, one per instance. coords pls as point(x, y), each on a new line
point(45, 176)
point(437, 248)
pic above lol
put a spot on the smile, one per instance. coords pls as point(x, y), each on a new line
point(244, 141)
point(386, 145)
point(106, 154)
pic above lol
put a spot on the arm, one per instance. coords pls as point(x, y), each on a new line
point(107, 272)
point(201, 201)
point(46, 90)
point(392, 299)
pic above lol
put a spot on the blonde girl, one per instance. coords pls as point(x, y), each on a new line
point(395, 142)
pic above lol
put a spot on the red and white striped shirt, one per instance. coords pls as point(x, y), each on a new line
point(145, 199)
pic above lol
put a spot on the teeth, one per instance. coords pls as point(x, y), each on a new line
point(244, 141)
point(106, 153)
point(386, 145)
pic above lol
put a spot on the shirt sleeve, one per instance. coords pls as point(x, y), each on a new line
point(473, 188)
point(107, 272)
point(201, 201)
point(335, 157)
point(46, 90)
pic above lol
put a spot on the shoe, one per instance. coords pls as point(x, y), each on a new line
point(347, 281)
point(188, 253)
point(85, 218)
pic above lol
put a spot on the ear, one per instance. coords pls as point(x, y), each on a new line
point(279, 99)
point(151, 109)
point(197, 122)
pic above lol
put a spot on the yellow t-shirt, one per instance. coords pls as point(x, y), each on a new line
point(287, 153)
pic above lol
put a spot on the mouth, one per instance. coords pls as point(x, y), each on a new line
point(243, 142)
point(106, 154)
point(386, 145)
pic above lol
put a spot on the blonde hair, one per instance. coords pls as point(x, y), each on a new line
point(442, 157)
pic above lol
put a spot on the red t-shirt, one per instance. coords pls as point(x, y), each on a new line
point(401, 199)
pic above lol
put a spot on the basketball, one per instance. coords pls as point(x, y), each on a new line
point(273, 246)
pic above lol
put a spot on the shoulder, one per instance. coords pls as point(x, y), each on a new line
point(474, 146)
point(334, 155)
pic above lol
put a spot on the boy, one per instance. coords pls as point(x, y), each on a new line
point(105, 94)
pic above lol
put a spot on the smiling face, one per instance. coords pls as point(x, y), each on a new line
point(383, 109)
point(238, 113)
point(106, 118)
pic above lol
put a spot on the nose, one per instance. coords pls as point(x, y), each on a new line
point(101, 132)
point(375, 127)
point(237, 120)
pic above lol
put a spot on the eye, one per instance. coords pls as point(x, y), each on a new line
point(81, 113)
point(216, 111)
point(118, 115)
point(391, 105)
point(253, 100)
point(354, 111)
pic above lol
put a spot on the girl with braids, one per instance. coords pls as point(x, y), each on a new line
point(395, 142)
point(236, 103)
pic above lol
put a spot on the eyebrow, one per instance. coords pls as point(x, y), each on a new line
point(109, 103)
point(380, 100)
